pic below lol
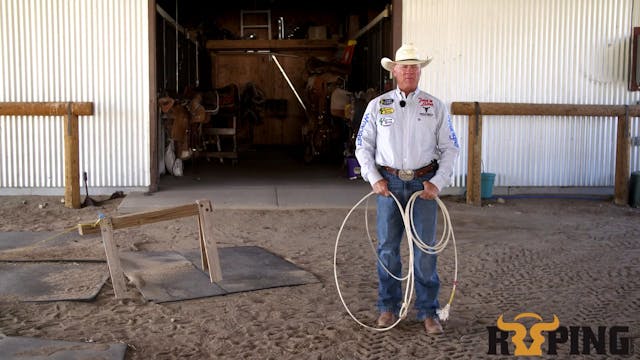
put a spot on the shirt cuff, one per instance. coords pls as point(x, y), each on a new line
point(439, 182)
point(373, 177)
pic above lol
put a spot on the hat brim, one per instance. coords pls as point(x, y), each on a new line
point(388, 64)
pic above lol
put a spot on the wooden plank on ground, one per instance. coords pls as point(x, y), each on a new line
point(113, 260)
point(213, 259)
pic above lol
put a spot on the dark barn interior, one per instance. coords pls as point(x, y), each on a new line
point(257, 82)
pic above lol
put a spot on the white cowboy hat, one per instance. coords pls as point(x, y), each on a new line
point(407, 54)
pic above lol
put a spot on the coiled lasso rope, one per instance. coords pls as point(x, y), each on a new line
point(412, 238)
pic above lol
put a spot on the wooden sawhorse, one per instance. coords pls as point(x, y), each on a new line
point(208, 247)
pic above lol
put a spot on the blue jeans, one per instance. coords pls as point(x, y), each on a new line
point(390, 231)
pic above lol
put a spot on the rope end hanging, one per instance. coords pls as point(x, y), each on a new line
point(443, 313)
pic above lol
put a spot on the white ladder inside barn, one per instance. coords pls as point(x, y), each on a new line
point(254, 17)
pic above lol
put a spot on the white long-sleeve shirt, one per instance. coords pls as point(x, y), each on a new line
point(406, 137)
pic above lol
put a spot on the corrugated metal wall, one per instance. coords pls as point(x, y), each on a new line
point(543, 51)
point(75, 50)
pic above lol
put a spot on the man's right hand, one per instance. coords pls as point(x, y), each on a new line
point(380, 188)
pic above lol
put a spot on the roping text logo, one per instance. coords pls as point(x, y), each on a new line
point(556, 334)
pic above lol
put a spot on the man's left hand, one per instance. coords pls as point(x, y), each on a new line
point(430, 191)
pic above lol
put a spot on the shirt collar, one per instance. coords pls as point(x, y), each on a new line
point(410, 96)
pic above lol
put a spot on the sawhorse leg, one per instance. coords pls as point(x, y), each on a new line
point(208, 247)
point(113, 260)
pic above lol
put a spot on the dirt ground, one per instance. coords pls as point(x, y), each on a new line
point(577, 259)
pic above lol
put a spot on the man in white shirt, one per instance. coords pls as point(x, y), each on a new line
point(406, 143)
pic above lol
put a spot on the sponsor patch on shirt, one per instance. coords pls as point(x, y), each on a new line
point(425, 102)
point(364, 122)
point(452, 133)
point(386, 110)
point(386, 121)
point(428, 111)
point(386, 101)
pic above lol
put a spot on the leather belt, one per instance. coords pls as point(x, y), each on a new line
point(408, 175)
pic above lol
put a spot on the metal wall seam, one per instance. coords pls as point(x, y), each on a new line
point(543, 51)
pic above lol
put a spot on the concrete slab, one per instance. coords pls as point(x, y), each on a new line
point(321, 196)
point(269, 197)
point(254, 198)
point(263, 181)
point(225, 197)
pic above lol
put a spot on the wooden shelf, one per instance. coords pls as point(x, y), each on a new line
point(221, 45)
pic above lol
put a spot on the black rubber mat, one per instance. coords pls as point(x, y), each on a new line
point(51, 281)
point(170, 276)
point(50, 246)
point(27, 348)
point(247, 268)
point(166, 276)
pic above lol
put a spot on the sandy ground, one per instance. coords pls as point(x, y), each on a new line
point(577, 259)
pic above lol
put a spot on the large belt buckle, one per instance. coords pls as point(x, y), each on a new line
point(405, 175)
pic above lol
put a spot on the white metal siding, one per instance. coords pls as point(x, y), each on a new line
point(75, 50)
point(543, 51)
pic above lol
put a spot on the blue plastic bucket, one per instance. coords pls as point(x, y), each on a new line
point(486, 185)
point(353, 168)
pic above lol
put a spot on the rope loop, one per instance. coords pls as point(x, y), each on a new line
point(412, 238)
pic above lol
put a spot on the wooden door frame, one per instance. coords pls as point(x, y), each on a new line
point(154, 176)
point(396, 24)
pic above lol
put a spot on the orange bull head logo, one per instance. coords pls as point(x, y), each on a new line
point(521, 332)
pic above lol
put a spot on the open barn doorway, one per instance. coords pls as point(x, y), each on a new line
point(265, 90)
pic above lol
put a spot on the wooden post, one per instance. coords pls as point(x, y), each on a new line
point(153, 98)
point(71, 161)
point(474, 160)
point(623, 155)
point(211, 248)
point(45, 108)
point(71, 111)
point(113, 260)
